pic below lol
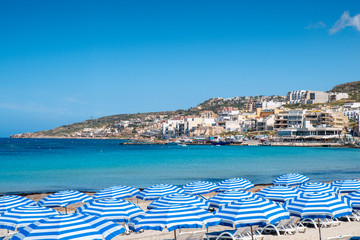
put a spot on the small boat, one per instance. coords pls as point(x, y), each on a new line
point(220, 143)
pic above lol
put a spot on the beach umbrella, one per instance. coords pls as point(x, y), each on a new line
point(290, 179)
point(174, 217)
point(318, 205)
point(116, 210)
point(251, 212)
point(199, 187)
point(157, 191)
point(229, 196)
point(19, 217)
point(116, 192)
point(70, 226)
point(347, 185)
point(317, 187)
point(11, 201)
point(354, 198)
point(234, 184)
point(278, 193)
point(64, 198)
point(179, 198)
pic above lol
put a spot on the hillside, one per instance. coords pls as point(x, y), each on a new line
point(149, 124)
point(352, 88)
point(103, 122)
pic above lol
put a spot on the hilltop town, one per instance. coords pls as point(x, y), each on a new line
point(297, 117)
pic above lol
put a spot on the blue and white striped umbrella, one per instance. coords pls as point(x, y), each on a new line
point(354, 198)
point(347, 185)
point(157, 191)
point(199, 187)
point(229, 196)
point(250, 212)
point(116, 210)
point(234, 184)
point(116, 192)
point(290, 179)
point(64, 198)
point(19, 217)
point(70, 226)
point(318, 205)
point(12, 201)
point(317, 187)
point(178, 198)
point(278, 193)
point(174, 217)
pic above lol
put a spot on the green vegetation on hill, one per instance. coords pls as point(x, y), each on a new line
point(352, 88)
point(107, 121)
point(212, 104)
point(317, 105)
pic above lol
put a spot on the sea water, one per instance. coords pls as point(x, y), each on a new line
point(39, 165)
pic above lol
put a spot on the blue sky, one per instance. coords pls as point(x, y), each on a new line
point(66, 61)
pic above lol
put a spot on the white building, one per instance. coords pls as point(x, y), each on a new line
point(352, 114)
point(352, 105)
point(294, 97)
point(271, 105)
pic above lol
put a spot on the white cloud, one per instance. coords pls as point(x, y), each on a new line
point(346, 21)
point(316, 25)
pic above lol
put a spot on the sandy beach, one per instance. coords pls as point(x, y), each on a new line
point(345, 228)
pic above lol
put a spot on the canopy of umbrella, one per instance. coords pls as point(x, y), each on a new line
point(12, 201)
point(116, 192)
point(64, 198)
point(229, 196)
point(19, 217)
point(290, 179)
point(157, 191)
point(354, 198)
point(314, 187)
point(199, 187)
point(347, 185)
point(178, 198)
point(174, 217)
point(116, 210)
point(234, 184)
point(319, 205)
point(250, 212)
point(70, 226)
point(278, 193)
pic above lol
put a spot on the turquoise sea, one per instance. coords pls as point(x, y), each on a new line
point(38, 165)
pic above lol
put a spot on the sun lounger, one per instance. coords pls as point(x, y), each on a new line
point(227, 235)
point(236, 232)
point(127, 230)
point(350, 218)
point(345, 237)
point(295, 223)
point(335, 222)
point(7, 237)
point(283, 227)
point(323, 222)
point(196, 235)
point(243, 233)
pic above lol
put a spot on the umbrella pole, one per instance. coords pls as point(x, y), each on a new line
point(252, 233)
point(175, 234)
point(319, 228)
